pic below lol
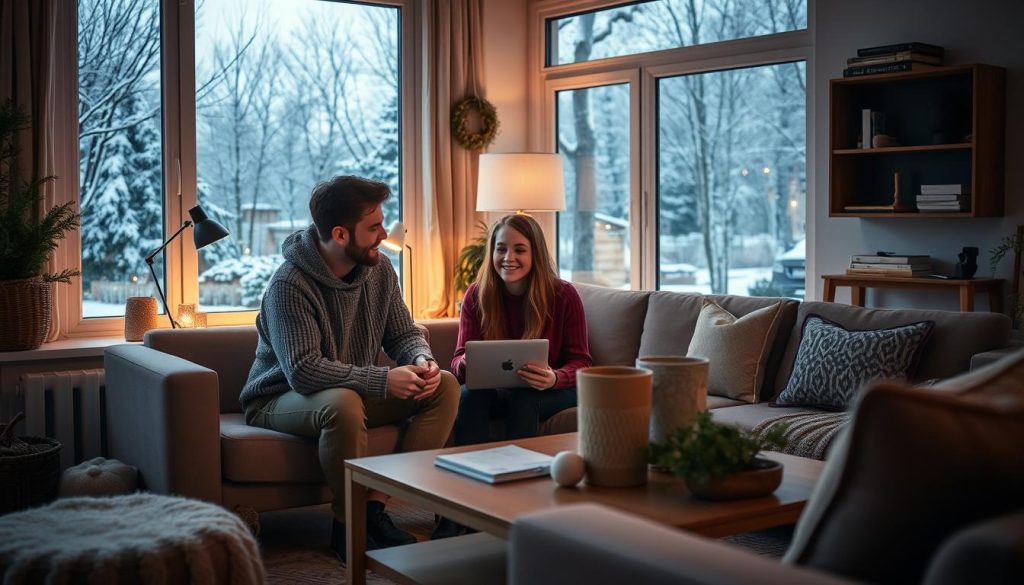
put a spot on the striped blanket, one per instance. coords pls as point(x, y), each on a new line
point(809, 433)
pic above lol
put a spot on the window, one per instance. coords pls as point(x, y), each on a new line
point(240, 107)
point(718, 147)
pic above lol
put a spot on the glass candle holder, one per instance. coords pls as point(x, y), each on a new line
point(200, 320)
point(187, 315)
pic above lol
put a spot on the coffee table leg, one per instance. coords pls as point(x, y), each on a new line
point(355, 530)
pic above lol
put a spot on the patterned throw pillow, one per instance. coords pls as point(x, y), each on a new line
point(832, 363)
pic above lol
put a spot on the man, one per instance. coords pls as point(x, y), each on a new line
point(326, 313)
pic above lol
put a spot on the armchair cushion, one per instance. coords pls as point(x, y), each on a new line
point(915, 466)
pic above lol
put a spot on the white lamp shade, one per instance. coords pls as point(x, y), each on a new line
point(520, 182)
point(396, 237)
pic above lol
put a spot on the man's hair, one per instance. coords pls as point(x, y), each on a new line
point(344, 200)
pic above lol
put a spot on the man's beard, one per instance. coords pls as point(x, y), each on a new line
point(362, 256)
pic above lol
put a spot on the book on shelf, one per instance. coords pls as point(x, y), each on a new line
point(894, 58)
point(891, 267)
point(887, 273)
point(886, 68)
point(942, 198)
point(497, 465)
point(949, 189)
point(890, 258)
point(913, 47)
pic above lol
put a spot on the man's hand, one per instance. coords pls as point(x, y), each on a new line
point(431, 376)
point(406, 381)
point(538, 376)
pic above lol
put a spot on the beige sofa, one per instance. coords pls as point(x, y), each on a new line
point(173, 412)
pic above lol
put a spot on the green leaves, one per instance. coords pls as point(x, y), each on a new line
point(26, 239)
point(705, 449)
point(467, 265)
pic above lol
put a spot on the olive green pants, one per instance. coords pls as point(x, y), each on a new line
point(338, 419)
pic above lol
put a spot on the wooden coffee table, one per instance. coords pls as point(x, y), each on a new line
point(491, 509)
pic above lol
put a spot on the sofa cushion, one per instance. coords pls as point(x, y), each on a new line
point(915, 466)
point(748, 416)
point(832, 364)
point(253, 454)
point(615, 322)
point(737, 348)
point(947, 352)
point(672, 316)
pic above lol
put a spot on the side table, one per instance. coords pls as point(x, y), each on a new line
point(965, 288)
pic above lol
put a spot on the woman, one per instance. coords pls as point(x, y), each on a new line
point(518, 295)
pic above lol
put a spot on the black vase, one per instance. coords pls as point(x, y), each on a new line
point(968, 263)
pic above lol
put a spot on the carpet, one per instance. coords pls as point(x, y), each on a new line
point(295, 543)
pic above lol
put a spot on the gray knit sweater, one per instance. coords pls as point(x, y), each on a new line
point(317, 331)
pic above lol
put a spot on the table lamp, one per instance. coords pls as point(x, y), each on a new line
point(206, 231)
point(520, 182)
point(395, 242)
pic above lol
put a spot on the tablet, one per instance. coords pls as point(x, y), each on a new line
point(493, 364)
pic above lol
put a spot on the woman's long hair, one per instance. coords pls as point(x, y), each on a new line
point(541, 283)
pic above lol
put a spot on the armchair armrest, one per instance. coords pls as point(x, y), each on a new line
point(443, 335)
point(592, 544)
point(163, 417)
point(980, 360)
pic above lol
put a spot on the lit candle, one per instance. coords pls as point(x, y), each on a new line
point(187, 315)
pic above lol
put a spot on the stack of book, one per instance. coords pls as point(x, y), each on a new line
point(951, 198)
point(893, 58)
point(889, 265)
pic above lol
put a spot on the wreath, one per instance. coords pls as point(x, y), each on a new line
point(488, 122)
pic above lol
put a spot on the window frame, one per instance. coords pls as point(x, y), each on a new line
point(546, 80)
point(177, 20)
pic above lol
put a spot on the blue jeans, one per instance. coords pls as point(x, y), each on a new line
point(524, 410)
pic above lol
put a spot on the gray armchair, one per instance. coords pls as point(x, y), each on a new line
point(924, 486)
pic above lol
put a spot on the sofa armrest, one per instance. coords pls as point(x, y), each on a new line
point(444, 334)
point(593, 544)
point(988, 552)
point(163, 417)
point(980, 360)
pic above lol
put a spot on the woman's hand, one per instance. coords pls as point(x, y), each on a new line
point(538, 376)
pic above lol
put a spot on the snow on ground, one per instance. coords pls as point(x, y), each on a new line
point(93, 309)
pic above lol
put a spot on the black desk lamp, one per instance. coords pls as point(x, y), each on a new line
point(206, 232)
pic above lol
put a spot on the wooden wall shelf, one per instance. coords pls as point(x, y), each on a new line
point(967, 100)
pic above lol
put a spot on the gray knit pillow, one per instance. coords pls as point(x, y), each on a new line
point(832, 363)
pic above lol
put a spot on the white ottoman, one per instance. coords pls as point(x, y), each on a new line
point(138, 538)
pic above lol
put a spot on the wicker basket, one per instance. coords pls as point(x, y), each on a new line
point(25, 312)
point(29, 469)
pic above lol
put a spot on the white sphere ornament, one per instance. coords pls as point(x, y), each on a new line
point(567, 468)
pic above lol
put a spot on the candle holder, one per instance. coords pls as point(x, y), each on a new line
point(200, 320)
point(139, 317)
point(187, 315)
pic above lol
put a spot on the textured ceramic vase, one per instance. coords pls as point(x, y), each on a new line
point(679, 392)
point(139, 317)
point(614, 406)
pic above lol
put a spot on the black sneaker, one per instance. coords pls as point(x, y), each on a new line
point(338, 541)
point(381, 529)
point(447, 528)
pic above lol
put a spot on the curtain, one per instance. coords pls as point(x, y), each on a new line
point(27, 30)
point(455, 70)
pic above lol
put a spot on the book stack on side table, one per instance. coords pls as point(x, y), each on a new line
point(949, 198)
point(890, 265)
point(893, 58)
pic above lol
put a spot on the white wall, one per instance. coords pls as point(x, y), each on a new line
point(979, 31)
point(505, 57)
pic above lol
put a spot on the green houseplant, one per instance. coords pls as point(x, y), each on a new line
point(720, 462)
point(471, 257)
point(28, 236)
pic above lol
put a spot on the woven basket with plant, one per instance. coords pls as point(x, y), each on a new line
point(29, 469)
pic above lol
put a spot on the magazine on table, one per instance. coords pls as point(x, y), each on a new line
point(498, 464)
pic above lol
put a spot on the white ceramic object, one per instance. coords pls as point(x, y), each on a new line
point(680, 391)
point(567, 468)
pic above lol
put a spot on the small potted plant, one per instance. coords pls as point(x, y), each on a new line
point(470, 259)
point(720, 462)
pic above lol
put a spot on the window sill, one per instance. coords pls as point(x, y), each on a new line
point(77, 347)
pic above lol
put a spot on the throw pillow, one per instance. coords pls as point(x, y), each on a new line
point(832, 363)
point(915, 467)
point(736, 347)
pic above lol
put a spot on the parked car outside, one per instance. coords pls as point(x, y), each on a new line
point(788, 270)
point(677, 273)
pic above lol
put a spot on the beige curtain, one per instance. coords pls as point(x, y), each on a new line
point(455, 69)
point(26, 68)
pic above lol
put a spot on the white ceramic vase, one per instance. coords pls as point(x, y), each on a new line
point(613, 413)
point(680, 391)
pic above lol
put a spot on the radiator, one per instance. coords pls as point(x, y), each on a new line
point(67, 406)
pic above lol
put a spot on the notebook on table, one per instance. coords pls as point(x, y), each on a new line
point(497, 464)
point(493, 364)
